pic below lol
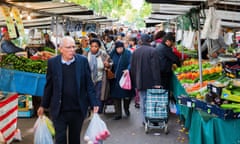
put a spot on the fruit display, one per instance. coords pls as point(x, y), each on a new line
point(219, 92)
point(210, 73)
point(43, 55)
point(191, 65)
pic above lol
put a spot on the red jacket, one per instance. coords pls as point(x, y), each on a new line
point(179, 54)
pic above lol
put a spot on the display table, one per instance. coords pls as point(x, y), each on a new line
point(22, 82)
point(204, 130)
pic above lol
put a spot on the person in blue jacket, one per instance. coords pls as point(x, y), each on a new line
point(68, 92)
point(7, 46)
point(121, 60)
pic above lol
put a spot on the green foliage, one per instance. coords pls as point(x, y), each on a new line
point(118, 9)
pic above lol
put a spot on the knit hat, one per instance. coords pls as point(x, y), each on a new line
point(145, 38)
point(119, 44)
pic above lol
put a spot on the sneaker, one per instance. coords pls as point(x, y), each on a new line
point(127, 112)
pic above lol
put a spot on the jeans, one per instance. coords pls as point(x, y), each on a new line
point(143, 95)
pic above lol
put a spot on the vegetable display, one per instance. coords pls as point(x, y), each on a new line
point(14, 62)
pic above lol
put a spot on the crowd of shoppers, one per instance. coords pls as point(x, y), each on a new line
point(77, 78)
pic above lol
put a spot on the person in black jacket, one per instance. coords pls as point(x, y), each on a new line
point(167, 58)
point(48, 42)
point(121, 60)
point(144, 70)
point(68, 92)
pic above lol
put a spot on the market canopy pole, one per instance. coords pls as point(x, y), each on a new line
point(199, 50)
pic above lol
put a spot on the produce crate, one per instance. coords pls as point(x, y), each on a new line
point(215, 89)
point(185, 100)
point(208, 108)
point(8, 115)
point(232, 69)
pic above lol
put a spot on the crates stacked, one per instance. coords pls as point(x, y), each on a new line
point(8, 115)
point(211, 109)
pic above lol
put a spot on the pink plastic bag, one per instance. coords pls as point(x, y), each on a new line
point(125, 81)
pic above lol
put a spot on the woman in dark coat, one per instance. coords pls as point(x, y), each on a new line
point(121, 61)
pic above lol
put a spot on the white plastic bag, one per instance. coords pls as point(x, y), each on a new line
point(96, 131)
point(42, 134)
point(173, 107)
point(190, 40)
point(212, 25)
point(125, 81)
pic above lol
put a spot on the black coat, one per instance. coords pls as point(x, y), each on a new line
point(145, 72)
point(120, 63)
point(53, 89)
point(167, 58)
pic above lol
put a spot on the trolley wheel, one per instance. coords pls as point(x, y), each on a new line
point(166, 129)
point(146, 128)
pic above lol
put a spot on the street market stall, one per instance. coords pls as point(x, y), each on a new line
point(24, 73)
point(209, 110)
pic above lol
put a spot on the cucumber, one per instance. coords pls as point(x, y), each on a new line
point(226, 94)
point(237, 110)
point(230, 106)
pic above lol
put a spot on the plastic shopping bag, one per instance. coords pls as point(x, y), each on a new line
point(42, 135)
point(173, 107)
point(97, 130)
point(125, 81)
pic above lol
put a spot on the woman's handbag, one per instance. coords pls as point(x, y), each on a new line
point(110, 74)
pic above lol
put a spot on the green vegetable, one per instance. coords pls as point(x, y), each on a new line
point(14, 62)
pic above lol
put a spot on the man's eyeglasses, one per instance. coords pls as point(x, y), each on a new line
point(70, 47)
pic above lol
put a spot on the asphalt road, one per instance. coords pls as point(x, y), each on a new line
point(128, 130)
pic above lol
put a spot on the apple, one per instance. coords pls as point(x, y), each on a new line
point(107, 133)
point(103, 135)
point(86, 138)
point(98, 137)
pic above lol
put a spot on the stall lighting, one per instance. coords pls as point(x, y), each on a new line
point(21, 15)
point(29, 17)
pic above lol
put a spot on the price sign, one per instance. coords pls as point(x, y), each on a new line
point(9, 21)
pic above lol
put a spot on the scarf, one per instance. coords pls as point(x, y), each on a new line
point(93, 65)
point(87, 49)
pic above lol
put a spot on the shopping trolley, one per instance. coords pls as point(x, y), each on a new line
point(156, 108)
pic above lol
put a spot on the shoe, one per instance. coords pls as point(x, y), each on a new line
point(127, 112)
point(137, 105)
point(117, 118)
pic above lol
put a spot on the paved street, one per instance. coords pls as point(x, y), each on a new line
point(124, 131)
